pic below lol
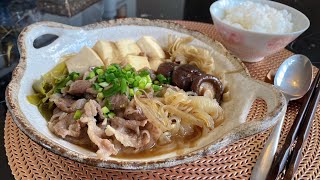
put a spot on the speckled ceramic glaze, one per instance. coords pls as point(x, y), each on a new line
point(35, 62)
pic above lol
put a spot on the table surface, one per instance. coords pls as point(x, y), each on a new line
point(14, 15)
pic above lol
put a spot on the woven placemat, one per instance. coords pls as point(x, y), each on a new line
point(28, 160)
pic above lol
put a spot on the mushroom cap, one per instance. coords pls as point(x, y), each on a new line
point(217, 85)
point(184, 75)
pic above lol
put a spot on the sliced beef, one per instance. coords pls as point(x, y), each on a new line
point(118, 101)
point(134, 112)
point(67, 104)
point(99, 138)
point(129, 138)
point(92, 108)
point(130, 124)
point(79, 87)
point(128, 132)
point(62, 124)
point(83, 140)
point(91, 91)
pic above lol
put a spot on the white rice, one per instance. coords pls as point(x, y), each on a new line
point(257, 17)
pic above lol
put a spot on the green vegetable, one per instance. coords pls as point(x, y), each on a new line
point(100, 95)
point(128, 67)
point(130, 81)
point(62, 84)
point(144, 72)
point(149, 80)
point(104, 84)
point(105, 110)
point(59, 71)
point(138, 93)
point(161, 78)
point(156, 88)
point(99, 71)
point(148, 85)
point(111, 115)
point(110, 77)
point(91, 75)
point(34, 99)
point(142, 85)
point(38, 86)
point(123, 86)
point(74, 76)
point(96, 86)
point(111, 91)
point(77, 115)
point(131, 92)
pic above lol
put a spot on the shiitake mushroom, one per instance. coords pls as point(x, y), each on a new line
point(166, 69)
point(183, 76)
point(207, 82)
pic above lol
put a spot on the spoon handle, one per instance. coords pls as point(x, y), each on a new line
point(263, 164)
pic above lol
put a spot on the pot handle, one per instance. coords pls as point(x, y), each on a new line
point(34, 31)
point(277, 106)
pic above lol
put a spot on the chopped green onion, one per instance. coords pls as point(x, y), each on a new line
point(111, 69)
point(156, 82)
point(149, 80)
point(100, 95)
point(97, 68)
point(144, 72)
point(110, 77)
point(130, 80)
point(111, 91)
point(99, 71)
point(136, 83)
point(77, 115)
point(156, 88)
point(137, 78)
point(144, 80)
point(128, 67)
point(96, 86)
point(91, 75)
point(169, 80)
point(62, 84)
point(104, 84)
point(111, 115)
point(138, 93)
point(105, 110)
point(142, 85)
point(74, 76)
point(131, 92)
point(123, 86)
point(148, 85)
point(161, 78)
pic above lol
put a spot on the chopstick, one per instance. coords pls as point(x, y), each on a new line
point(304, 118)
point(303, 133)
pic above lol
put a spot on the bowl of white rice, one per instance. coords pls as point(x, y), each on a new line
point(254, 29)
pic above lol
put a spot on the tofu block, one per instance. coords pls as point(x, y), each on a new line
point(107, 51)
point(155, 62)
point(82, 61)
point(138, 62)
point(128, 47)
point(150, 47)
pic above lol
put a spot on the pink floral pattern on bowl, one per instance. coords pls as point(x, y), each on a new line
point(278, 43)
point(229, 36)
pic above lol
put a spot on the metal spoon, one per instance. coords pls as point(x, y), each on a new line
point(293, 79)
